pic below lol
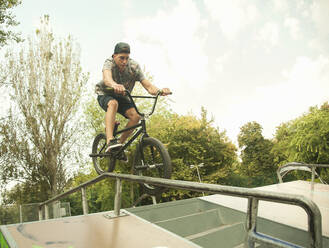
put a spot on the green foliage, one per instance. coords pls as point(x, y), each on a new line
point(100, 196)
point(257, 160)
point(41, 129)
point(305, 139)
point(7, 20)
point(9, 214)
point(191, 141)
point(28, 192)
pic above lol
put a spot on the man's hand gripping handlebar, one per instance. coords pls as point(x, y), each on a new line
point(108, 89)
point(164, 92)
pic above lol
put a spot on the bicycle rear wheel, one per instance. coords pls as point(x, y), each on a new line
point(153, 160)
point(102, 163)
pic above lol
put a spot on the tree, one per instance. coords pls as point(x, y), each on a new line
point(257, 159)
point(305, 139)
point(191, 141)
point(38, 137)
point(8, 20)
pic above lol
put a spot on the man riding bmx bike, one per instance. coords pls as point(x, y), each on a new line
point(121, 73)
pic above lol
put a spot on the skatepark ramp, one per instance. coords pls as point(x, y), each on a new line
point(189, 223)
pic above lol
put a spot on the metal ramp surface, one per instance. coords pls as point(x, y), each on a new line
point(282, 213)
point(93, 230)
point(219, 220)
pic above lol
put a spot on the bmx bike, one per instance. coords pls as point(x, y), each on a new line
point(151, 158)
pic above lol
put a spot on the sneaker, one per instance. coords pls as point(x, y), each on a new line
point(122, 157)
point(113, 145)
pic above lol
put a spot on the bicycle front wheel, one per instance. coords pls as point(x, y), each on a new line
point(153, 160)
point(103, 162)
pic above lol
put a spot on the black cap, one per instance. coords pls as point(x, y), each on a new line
point(121, 47)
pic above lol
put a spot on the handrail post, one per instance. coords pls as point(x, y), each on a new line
point(84, 201)
point(279, 175)
point(251, 221)
point(312, 167)
point(46, 212)
point(20, 214)
point(154, 200)
point(117, 199)
point(313, 177)
point(56, 209)
point(40, 213)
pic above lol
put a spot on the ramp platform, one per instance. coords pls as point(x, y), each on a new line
point(93, 230)
point(282, 213)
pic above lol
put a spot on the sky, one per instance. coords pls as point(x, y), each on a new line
point(256, 60)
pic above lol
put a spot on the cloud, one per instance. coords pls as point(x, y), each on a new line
point(232, 16)
point(220, 62)
point(293, 25)
point(303, 8)
point(171, 45)
point(127, 4)
point(320, 17)
point(178, 46)
point(304, 85)
point(281, 5)
point(269, 34)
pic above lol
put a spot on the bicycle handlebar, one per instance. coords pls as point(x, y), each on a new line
point(111, 90)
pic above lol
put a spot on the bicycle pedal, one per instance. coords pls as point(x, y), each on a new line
point(122, 156)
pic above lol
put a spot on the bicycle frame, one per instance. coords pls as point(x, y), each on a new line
point(141, 130)
point(141, 124)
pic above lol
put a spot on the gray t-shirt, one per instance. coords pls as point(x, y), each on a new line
point(127, 78)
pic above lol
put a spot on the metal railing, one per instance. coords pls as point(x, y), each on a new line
point(284, 169)
point(253, 196)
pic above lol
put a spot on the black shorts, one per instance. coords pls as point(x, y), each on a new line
point(124, 103)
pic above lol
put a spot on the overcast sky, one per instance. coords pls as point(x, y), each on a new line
point(264, 61)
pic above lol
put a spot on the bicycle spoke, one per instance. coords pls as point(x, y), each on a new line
point(152, 163)
point(101, 150)
point(152, 153)
point(103, 162)
point(152, 160)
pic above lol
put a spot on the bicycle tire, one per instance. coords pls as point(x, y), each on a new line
point(102, 164)
point(159, 157)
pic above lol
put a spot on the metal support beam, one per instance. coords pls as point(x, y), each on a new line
point(142, 197)
point(251, 221)
point(46, 212)
point(40, 213)
point(284, 169)
point(117, 199)
point(154, 200)
point(84, 201)
point(56, 209)
point(20, 214)
point(313, 177)
point(279, 176)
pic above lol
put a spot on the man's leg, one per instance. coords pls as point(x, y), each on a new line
point(112, 107)
point(134, 118)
